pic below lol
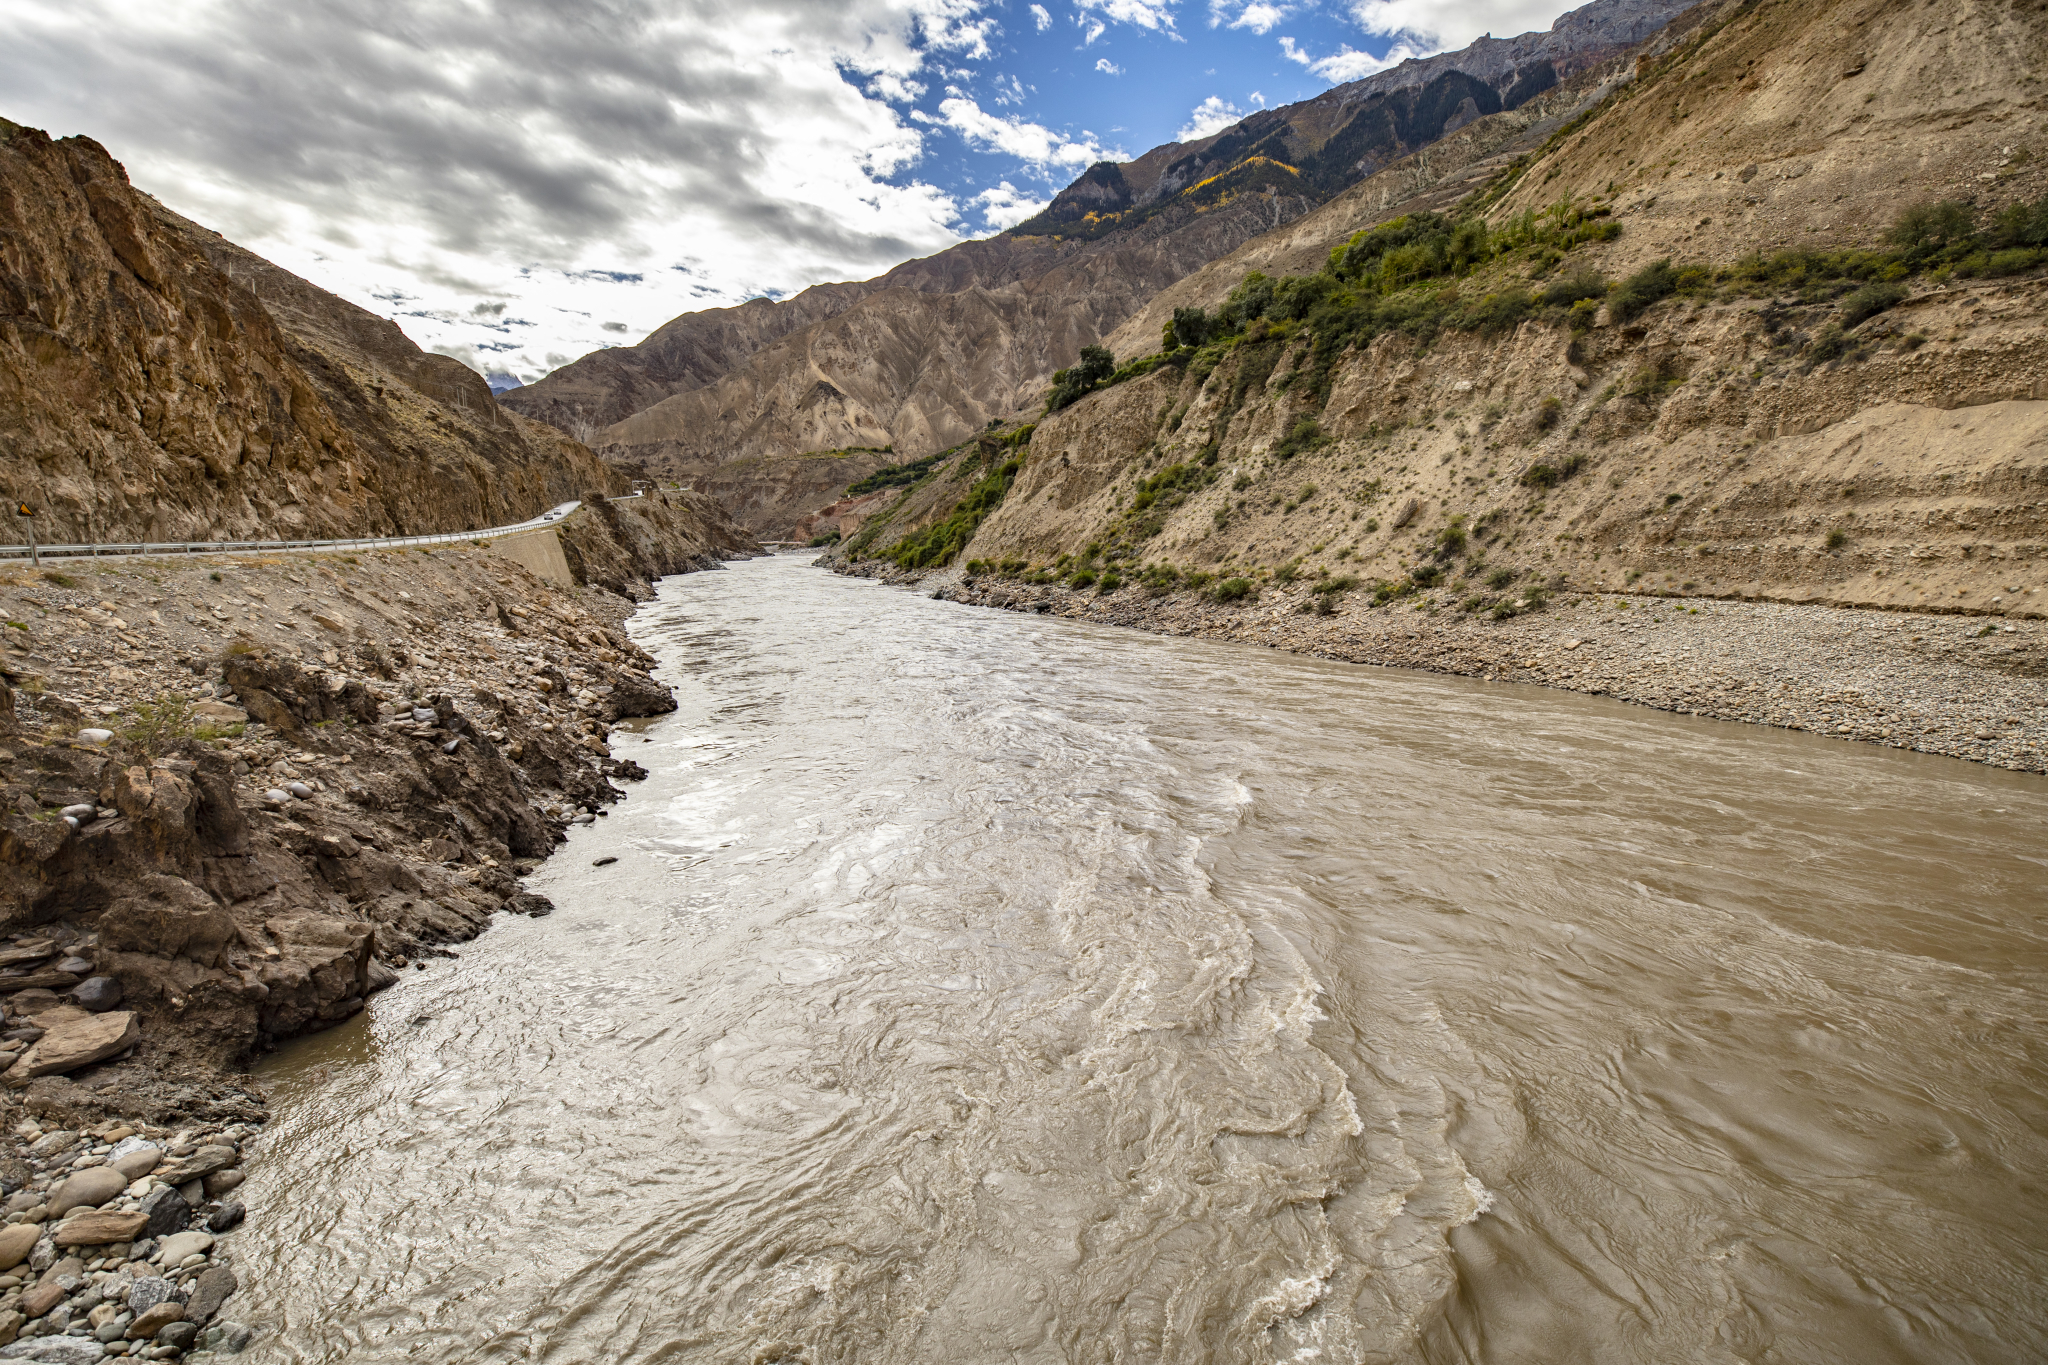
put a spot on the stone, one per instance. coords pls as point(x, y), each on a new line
point(98, 994)
point(83, 811)
point(41, 1299)
point(77, 966)
point(193, 1192)
point(16, 1242)
point(603, 862)
point(10, 1327)
point(204, 1162)
point(228, 1215)
point(277, 796)
point(299, 791)
point(531, 904)
point(95, 735)
point(164, 1212)
point(220, 1182)
point(98, 1229)
point(49, 1144)
point(214, 1288)
point(180, 1245)
point(148, 1293)
point(56, 1350)
point(88, 1189)
point(110, 1331)
point(147, 1324)
point(179, 1336)
point(75, 1042)
point(230, 1338)
point(219, 713)
point(103, 1314)
point(138, 1162)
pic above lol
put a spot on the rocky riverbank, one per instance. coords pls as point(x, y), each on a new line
point(117, 1241)
point(1955, 685)
point(238, 796)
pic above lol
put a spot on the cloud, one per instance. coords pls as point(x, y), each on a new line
point(1042, 17)
point(1005, 206)
point(1015, 136)
point(1108, 67)
point(1258, 16)
point(1156, 15)
point(1434, 25)
point(560, 157)
point(1345, 64)
point(1209, 117)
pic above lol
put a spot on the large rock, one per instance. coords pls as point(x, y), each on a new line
point(139, 1162)
point(210, 1293)
point(87, 1189)
point(16, 1241)
point(71, 1043)
point(56, 1350)
point(98, 994)
point(149, 1291)
point(177, 1247)
point(41, 1299)
point(201, 1163)
point(166, 1211)
point(155, 1320)
point(98, 1229)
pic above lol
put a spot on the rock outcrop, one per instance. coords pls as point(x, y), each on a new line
point(159, 383)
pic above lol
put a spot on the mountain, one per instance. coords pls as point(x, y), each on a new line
point(159, 382)
point(1770, 321)
point(922, 357)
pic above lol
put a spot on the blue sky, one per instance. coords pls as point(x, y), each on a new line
point(519, 182)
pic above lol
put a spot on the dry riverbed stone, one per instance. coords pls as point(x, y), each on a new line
point(16, 1243)
point(88, 1189)
point(98, 1229)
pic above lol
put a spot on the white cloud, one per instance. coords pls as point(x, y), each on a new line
point(1345, 64)
point(1258, 15)
point(1042, 17)
point(1032, 142)
point(1435, 25)
point(1108, 67)
point(580, 164)
point(1209, 117)
point(1096, 28)
point(1005, 206)
point(1156, 15)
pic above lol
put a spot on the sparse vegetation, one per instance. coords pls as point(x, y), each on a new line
point(937, 544)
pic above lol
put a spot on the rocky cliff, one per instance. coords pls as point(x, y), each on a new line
point(157, 382)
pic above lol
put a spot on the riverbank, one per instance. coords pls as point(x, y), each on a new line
point(240, 796)
point(1960, 686)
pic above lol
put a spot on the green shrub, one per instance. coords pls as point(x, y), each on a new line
point(1109, 582)
point(1084, 579)
point(1547, 413)
point(1870, 300)
point(1069, 386)
point(896, 475)
point(1837, 538)
point(58, 578)
point(1501, 577)
point(829, 538)
point(1234, 590)
point(1634, 295)
point(1451, 540)
point(161, 725)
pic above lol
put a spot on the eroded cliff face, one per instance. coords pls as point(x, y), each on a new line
point(1916, 478)
point(157, 382)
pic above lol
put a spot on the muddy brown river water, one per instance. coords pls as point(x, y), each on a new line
point(974, 987)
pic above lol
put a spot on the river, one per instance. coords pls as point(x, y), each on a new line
point(978, 987)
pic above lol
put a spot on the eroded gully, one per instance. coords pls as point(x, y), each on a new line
point(975, 987)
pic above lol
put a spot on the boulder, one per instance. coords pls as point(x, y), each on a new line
point(98, 994)
point(213, 1289)
point(138, 1162)
point(41, 1299)
point(56, 1350)
point(71, 1043)
point(165, 1210)
point(200, 1164)
point(149, 1323)
point(180, 1245)
point(148, 1292)
point(17, 1240)
point(87, 1189)
point(98, 1229)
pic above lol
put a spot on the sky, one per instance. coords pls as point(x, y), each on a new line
point(519, 182)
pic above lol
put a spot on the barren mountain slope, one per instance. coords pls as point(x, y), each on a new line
point(696, 349)
point(924, 371)
point(147, 391)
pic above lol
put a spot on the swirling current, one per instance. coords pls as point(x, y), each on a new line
point(979, 987)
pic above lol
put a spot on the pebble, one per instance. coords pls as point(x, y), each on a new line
point(277, 796)
point(98, 994)
point(87, 1189)
point(95, 735)
point(299, 791)
point(603, 862)
point(179, 1245)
